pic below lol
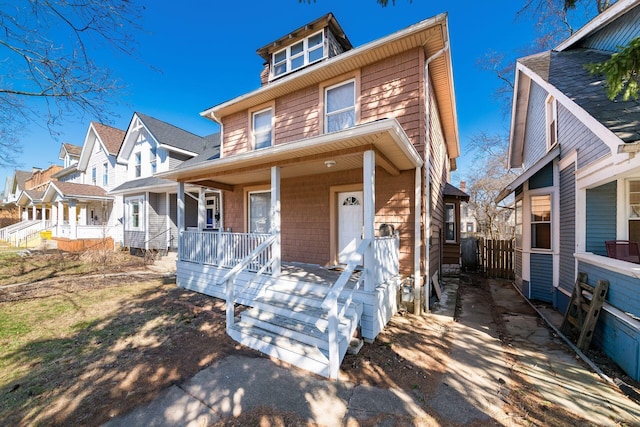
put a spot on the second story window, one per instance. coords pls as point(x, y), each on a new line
point(304, 52)
point(138, 164)
point(340, 107)
point(262, 128)
point(105, 174)
point(552, 122)
point(94, 177)
point(154, 152)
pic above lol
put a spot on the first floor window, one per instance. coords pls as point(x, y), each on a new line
point(259, 208)
point(135, 214)
point(634, 211)
point(212, 206)
point(541, 222)
point(518, 223)
point(450, 222)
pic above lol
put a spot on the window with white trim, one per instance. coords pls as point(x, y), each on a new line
point(450, 222)
point(212, 210)
point(134, 213)
point(307, 51)
point(259, 207)
point(105, 174)
point(262, 128)
point(552, 122)
point(340, 106)
point(541, 221)
point(633, 210)
point(518, 223)
point(138, 164)
point(94, 177)
point(154, 155)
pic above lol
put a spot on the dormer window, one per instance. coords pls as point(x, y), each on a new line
point(305, 52)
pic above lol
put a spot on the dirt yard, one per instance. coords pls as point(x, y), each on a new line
point(78, 351)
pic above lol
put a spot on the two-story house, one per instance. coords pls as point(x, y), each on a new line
point(576, 203)
point(337, 164)
point(149, 204)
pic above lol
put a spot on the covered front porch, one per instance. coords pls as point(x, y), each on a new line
point(347, 202)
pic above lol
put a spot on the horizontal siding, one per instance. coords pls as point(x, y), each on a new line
point(567, 228)
point(535, 138)
point(623, 290)
point(543, 178)
point(134, 239)
point(575, 136)
point(601, 217)
point(541, 277)
point(618, 33)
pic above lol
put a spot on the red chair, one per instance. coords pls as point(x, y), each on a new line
point(625, 250)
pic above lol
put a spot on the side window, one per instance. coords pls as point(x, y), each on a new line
point(138, 164)
point(450, 222)
point(518, 223)
point(259, 206)
point(541, 222)
point(633, 210)
point(134, 214)
point(262, 128)
point(340, 107)
point(105, 174)
point(94, 176)
point(154, 155)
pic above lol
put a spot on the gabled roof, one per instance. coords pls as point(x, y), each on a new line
point(144, 184)
point(450, 190)
point(72, 150)
point(66, 171)
point(168, 136)
point(21, 177)
point(111, 137)
point(28, 197)
point(431, 35)
point(71, 190)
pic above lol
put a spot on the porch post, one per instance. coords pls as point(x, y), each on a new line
point(180, 219)
point(369, 211)
point(60, 218)
point(54, 215)
point(34, 213)
point(83, 215)
point(43, 210)
point(72, 220)
point(202, 220)
point(275, 221)
point(417, 244)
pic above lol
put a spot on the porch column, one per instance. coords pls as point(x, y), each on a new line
point(417, 244)
point(72, 220)
point(369, 211)
point(54, 215)
point(202, 210)
point(275, 220)
point(180, 207)
point(60, 218)
point(34, 212)
point(43, 211)
point(83, 215)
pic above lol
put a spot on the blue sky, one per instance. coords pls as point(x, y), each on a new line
point(196, 54)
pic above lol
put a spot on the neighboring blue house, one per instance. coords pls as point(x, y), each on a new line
point(581, 182)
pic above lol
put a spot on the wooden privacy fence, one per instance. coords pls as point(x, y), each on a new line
point(496, 258)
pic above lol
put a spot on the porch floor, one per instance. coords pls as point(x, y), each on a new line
point(317, 274)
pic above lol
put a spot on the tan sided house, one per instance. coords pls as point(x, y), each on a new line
point(331, 177)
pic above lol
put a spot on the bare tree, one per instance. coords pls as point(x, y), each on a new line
point(486, 177)
point(49, 68)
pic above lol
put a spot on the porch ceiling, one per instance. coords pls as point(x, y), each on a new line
point(394, 152)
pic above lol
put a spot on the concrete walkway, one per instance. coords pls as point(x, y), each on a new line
point(473, 390)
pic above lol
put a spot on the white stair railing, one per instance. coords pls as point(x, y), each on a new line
point(5, 232)
point(330, 304)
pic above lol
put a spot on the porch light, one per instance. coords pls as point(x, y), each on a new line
point(330, 163)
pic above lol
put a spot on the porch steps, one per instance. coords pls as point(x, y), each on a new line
point(287, 322)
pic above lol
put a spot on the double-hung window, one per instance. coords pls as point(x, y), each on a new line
point(541, 222)
point(305, 52)
point(94, 176)
point(634, 211)
point(262, 128)
point(552, 122)
point(135, 214)
point(450, 222)
point(340, 107)
point(518, 223)
point(154, 155)
point(105, 174)
point(138, 164)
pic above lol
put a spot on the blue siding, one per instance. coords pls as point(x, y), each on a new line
point(624, 291)
point(574, 135)
point(619, 33)
point(542, 277)
point(601, 217)
point(543, 178)
point(567, 228)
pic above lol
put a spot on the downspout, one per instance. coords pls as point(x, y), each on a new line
point(426, 185)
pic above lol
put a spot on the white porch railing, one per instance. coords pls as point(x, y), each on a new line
point(23, 235)
point(82, 231)
point(330, 304)
point(7, 231)
point(223, 249)
point(386, 252)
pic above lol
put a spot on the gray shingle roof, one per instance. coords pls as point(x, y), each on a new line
point(142, 183)
point(173, 136)
point(111, 137)
point(450, 190)
point(70, 189)
point(566, 71)
point(211, 151)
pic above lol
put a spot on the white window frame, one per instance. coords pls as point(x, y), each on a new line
point(631, 213)
point(105, 174)
point(129, 204)
point(94, 175)
point(518, 221)
point(153, 159)
point(137, 170)
point(215, 208)
point(304, 54)
point(450, 208)
point(550, 221)
point(251, 229)
point(254, 134)
point(327, 115)
point(551, 110)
